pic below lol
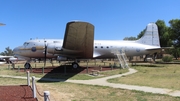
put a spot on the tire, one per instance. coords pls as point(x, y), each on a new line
point(27, 65)
point(75, 65)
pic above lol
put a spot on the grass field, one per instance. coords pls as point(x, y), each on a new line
point(61, 91)
point(155, 75)
point(149, 75)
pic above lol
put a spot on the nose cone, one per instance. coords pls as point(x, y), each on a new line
point(16, 50)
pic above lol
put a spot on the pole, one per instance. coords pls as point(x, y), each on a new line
point(87, 67)
point(18, 68)
point(65, 70)
point(28, 78)
point(43, 70)
point(34, 87)
point(46, 96)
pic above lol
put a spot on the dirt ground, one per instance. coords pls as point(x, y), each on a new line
point(16, 93)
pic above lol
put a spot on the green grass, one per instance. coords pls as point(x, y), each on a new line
point(62, 91)
point(12, 81)
point(156, 75)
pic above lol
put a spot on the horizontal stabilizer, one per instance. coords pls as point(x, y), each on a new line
point(153, 48)
point(159, 48)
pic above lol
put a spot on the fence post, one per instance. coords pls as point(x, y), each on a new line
point(64, 69)
point(46, 96)
point(28, 78)
point(111, 66)
point(18, 69)
point(87, 67)
point(34, 87)
point(9, 67)
point(43, 70)
point(13, 66)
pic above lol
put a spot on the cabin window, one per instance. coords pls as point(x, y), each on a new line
point(101, 46)
point(95, 46)
point(107, 47)
point(56, 41)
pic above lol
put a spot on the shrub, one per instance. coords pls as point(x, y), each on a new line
point(167, 58)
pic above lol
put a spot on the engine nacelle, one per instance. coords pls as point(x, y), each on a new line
point(54, 48)
point(59, 58)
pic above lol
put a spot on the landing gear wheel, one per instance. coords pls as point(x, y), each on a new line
point(27, 65)
point(75, 65)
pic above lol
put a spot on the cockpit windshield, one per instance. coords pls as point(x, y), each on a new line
point(25, 44)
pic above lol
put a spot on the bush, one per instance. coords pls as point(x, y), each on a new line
point(167, 58)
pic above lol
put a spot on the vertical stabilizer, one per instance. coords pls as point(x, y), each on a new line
point(151, 35)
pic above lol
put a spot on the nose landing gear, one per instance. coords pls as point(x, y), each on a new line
point(27, 65)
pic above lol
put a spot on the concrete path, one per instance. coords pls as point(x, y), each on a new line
point(103, 82)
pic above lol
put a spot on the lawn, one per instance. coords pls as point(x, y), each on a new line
point(62, 91)
point(154, 75)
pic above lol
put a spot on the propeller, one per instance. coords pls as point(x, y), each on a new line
point(45, 52)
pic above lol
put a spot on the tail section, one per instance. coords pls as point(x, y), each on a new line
point(151, 35)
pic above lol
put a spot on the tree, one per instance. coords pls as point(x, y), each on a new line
point(141, 34)
point(7, 52)
point(130, 38)
point(174, 32)
point(163, 34)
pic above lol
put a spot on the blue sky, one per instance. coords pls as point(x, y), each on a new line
point(113, 19)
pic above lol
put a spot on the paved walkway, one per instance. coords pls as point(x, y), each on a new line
point(103, 82)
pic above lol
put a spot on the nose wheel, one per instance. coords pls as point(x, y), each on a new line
point(27, 65)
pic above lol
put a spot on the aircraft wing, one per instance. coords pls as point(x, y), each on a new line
point(79, 39)
point(5, 58)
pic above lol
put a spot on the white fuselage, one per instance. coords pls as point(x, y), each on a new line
point(102, 48)
point(80, 45)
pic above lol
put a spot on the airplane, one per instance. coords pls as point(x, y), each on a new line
point(9, 59)
point(79, 44)
point(4, 59)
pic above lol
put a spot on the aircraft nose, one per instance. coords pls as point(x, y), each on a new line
point(16, 50)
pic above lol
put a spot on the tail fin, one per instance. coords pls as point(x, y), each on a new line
point(151, 35)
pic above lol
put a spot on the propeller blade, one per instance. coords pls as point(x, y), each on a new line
point(45, 53)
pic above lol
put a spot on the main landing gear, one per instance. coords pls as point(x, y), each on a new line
point(75, 65)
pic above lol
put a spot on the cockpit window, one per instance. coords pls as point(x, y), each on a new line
point(26, 43)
